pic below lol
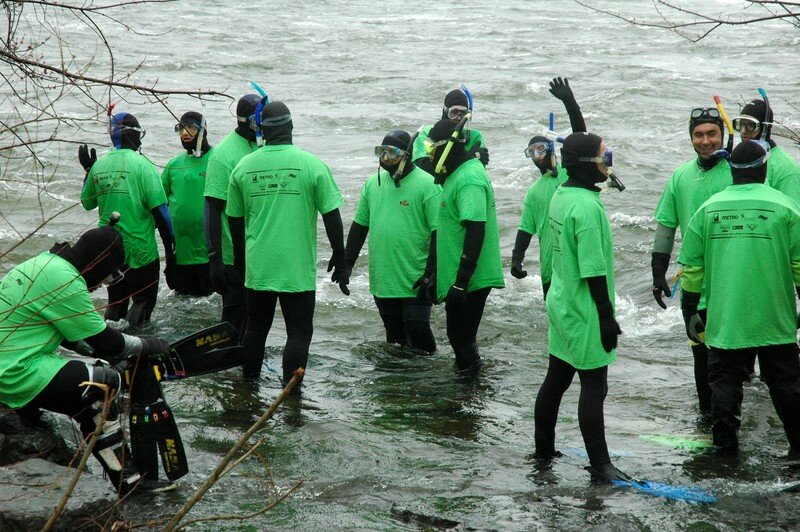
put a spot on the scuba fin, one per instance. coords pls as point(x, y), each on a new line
point(206, 351)
point(153, 429)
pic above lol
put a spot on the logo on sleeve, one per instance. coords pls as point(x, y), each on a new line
point(404, 203)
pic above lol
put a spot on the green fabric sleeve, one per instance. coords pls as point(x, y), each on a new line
point(692, 278)
point(796, 273)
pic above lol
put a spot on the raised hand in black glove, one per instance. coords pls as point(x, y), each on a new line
point(609, 328)
point(152, 345)
point(341, 271)
point(217, 269)
point(456, 299)
point(169, 270)
point(516, 264)
point(426, 287)
point(561, 90)
point(86, 157)
point(659, 264)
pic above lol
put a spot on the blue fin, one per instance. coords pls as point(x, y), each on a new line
point(677, 493)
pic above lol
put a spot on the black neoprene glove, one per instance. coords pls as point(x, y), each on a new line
point(87, 157)
point(561, 90)
point(695, 328)
point(479, 152)
point(169, 270)
point(456, 298)
point(516, 264)
point(341, 271)
point(152, 345)
point(660, 263)
point(217, 273)
point(609, 328)
point(426, 287)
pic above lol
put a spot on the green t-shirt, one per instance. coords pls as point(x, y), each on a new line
point(400, 221)
point(184, 180)
point(418, 150)
point(582, 248)
point(746, 238)
point(686, 190)
point(221, 162)
point(126, 181)
point(783, 173)
point(534, 217)
point(467, 196)
point(278, 190)
point(42, 301)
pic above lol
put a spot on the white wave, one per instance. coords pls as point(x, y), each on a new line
point(643, 321)
point(621, 219)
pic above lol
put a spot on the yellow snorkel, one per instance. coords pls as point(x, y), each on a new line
point(728, 123)
point(453, 139)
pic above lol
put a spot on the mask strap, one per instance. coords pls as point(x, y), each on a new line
point(399, 173)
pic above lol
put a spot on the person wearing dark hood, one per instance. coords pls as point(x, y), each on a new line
point(456, 106)
point(755, 123)
point(468, 261)
point(583, 331)
point(45, 302)
point(225, 279)
point(742, 248)
point(125, 181)
point(537, 200)
point(399, 208)
point(184, 179)
point(690, 185)
point(274, 198)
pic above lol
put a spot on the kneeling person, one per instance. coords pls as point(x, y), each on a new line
point(45, 302)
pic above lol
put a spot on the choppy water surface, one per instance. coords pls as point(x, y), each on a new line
point(376, 428)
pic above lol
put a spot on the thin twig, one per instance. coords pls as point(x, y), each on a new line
point(215, 475)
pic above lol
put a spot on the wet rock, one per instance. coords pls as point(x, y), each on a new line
point(32, 489)
point(37, 434)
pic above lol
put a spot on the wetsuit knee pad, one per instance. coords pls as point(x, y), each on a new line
point(103, 378)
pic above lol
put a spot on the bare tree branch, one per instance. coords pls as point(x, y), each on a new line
point(705, 22)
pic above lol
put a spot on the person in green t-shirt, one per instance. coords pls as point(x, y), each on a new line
point(583, 331)
point(274, 197)
point(125, 181)
point(783, 172)
point(225, 279)
point(44, 303)
point(742, 247)
point(468, 261)
point(690, 185)
point(537, 199)
point(184, 179)
point(399, 208)
point(456, 106)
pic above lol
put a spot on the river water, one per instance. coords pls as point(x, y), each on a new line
point(376, 428)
